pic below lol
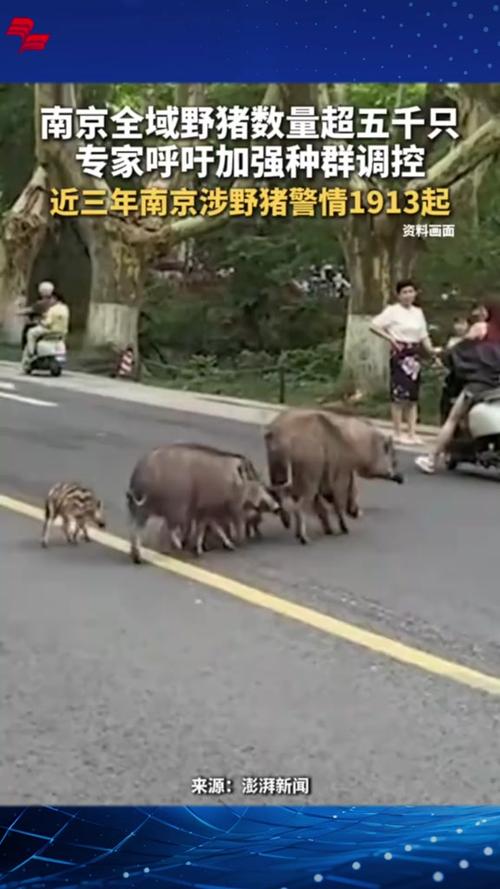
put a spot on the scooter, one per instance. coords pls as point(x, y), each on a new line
point(50, 355)
point(477, 440)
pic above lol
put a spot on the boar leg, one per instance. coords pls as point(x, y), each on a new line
point(321, 511)
point(46, 533)
point(285, 517)
point(253, 524)
point(239, 526)
point(176, 538)
point(136, 533)
point(47, 526)
point(216, 529)
point(221, 534)
point(199, 543)
point(337, 507)
point(70, 537)
point(190, 535)
point(82, 527)
point(353, 509)
point(280, 492)
point(170, 538)
point(300, 522)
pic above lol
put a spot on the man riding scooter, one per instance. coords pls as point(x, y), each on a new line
point(474, 366)
point(53, 324)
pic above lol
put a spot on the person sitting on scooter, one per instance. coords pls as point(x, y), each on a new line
point(55, 320)
point(476, 364)
point(478, 313)
point(460, 329)
point(33, 314)
point(449, 391)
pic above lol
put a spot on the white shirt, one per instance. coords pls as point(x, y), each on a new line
point(406, 325)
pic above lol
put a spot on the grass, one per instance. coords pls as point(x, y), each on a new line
point(299, 390)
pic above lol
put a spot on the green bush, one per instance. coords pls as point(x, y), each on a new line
point(319, 362)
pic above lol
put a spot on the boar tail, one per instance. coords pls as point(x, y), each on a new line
point(279, 465)
point(134, 501)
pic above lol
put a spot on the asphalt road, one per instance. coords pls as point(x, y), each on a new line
point(121, 682)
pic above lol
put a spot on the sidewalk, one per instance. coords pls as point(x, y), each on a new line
point(238, 409)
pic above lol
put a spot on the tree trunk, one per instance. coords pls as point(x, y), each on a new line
point(117, 286)
point(473, 113)
point(23, 231)
point(376, 256)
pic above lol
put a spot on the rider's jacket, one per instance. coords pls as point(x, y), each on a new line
point(474, 364)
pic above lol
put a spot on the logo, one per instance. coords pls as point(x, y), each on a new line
point(23, 28)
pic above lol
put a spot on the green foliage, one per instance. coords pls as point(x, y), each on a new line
point(209, 322)
point(470, 261)
point(256, 311)
point(140, 95)
point(16, 140)
point(386, 95)
point(309, 374)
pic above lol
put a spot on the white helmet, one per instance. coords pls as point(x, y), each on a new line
point(46, 288)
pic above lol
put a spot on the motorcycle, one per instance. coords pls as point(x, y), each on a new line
point(477, 440)
point(477, 437)
point(50, 355)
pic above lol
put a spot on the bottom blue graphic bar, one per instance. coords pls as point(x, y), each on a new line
point(255, 847)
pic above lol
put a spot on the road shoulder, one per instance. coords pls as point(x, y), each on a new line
point(239, 410)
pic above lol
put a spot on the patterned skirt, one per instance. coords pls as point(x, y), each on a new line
point(405, 371)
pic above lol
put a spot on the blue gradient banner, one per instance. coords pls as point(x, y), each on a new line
point(254, 40)
point(250, 848)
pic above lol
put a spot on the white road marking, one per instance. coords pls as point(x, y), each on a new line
point(332, 626)
point(25, 400)
point(8, 386)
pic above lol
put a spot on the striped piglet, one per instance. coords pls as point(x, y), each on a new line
point(77, 506)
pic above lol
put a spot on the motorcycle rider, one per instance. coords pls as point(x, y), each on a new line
point(34, 313)
point(475, 363)
point(55, 320)
point(449, 390)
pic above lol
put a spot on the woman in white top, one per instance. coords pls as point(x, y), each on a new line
point(404, 326)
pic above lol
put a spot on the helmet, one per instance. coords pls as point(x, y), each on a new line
point(46, 288)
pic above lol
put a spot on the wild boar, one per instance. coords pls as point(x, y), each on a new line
point(242, 518)
point(322, 452)
point(193, 488)
point(374, 453)
point(77, 505)
point(258, 499)
point(309, 467)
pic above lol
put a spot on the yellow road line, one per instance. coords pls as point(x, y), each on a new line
point(374, 642)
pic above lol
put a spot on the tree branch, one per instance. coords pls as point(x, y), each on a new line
point(171, 233)
point(463, 159)
point(398, 101)
point(340, 93)
point(341, 97)
point(186, 95)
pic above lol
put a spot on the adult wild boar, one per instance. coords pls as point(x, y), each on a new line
point(373, 451)
point(193, 488)
point(310, 465)
point(257, 500)
point(313, 457)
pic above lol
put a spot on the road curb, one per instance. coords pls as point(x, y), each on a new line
point(255, 413)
